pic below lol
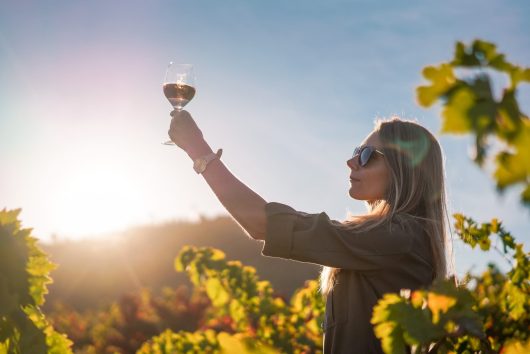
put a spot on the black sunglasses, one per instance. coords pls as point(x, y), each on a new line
point(364, 154)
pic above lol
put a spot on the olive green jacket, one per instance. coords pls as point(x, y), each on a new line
point(383, 260)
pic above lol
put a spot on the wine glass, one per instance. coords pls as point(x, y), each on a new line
point(179, 86)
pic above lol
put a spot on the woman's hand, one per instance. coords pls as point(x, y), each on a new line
point(187, 135)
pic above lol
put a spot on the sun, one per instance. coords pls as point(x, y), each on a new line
point(94, 201)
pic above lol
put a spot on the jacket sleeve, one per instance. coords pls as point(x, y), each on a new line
point(314, 238)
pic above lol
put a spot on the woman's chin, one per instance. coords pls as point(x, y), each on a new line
point(355, 194)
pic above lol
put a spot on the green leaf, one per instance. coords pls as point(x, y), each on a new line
point(237, 344)
point(439, 304)
point(238, 313)
point(13, 259)
point(386, 329)
point(479, 53)
point(38, 268)
point(483, 112)
point(441, 77)
point(9, 300)
point(32, 338)
point(514, 167)
point(169, 342)
point(455, 117)
point(518, 75)
point(216, 292)
point(10, 217)
point(470, 107)
point(516, 300)
point(24, 274)
point(515, 346)
point(509, 117)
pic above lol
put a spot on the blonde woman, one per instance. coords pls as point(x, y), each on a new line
point(398, 244)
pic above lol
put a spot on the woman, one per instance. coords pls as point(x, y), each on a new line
point(398, 244)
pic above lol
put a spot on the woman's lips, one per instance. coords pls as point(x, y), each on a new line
point(354, 179)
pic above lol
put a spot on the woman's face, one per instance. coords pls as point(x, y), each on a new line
point(371, 181)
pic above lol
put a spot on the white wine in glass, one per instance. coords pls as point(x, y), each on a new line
point(179, 86)
point(179, 94)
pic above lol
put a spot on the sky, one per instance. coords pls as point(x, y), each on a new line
point(286, 88)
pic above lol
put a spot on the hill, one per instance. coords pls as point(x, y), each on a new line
point(93, 273)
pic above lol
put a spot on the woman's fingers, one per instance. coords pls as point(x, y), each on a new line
point(179, 117)
point(176, 113)
point(183, 130)
point(182, 120)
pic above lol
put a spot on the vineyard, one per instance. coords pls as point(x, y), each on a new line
point(229, 309)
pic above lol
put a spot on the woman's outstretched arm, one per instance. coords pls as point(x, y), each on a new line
point(246, 206)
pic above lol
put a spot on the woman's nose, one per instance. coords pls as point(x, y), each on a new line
point(351, 164)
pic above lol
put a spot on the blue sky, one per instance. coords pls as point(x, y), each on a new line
point(286, 88)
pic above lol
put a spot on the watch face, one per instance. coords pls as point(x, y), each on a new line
point(200, 165)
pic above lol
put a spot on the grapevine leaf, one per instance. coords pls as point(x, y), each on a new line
point(169, 342)
point(386, 328)
point(32, 338)
point(515, 167)
point(10, 217)
point(517, 347)
point(236, 344)
point(516, 301)
point(441, 77)
point(38, 267)
point(518, 75)
point(217, 294)
point(24, 270)
point(8, 300)
point(509, 116)
point(470, 107)
point(238, 313)
point(13, 259)
point(484, 109)
point(455, 118)
point(439, 303)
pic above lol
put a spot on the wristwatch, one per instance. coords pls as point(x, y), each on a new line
point(200, 164)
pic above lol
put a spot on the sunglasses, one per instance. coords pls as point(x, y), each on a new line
point(364, 154)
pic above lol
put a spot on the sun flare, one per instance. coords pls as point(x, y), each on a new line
point(97, 201)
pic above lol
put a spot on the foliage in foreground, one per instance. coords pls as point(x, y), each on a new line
point(123, 326)
point(24, 271)
point(470, 107)
point(490, 314)
point(248, 311)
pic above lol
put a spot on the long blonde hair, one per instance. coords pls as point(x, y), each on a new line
point(416, 190)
